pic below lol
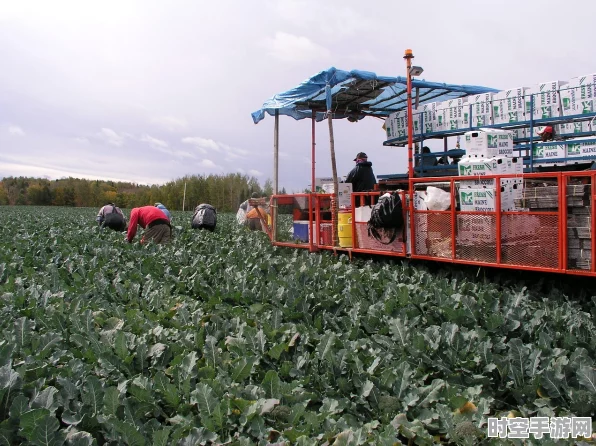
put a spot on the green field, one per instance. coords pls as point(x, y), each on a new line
point(220, 338)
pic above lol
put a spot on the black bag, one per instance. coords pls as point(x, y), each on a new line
point(114, 220)
point(205, 217)
point(386, 218)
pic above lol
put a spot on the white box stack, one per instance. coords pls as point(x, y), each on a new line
point(454, 113)
point(430, 122)
point(482, 109)
point(489, 143)
point(509, 106)
point(578, 97)
point(483, 199)
point(547, 103)
point(580, 147)
point(547, 155)
point(396, 125)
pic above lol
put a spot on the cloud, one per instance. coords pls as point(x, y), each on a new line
point(16, 130)
point(255, 173)
point(240, 170)
point(170, 123)
point(202, 144)
point(154, 142)
point(209, 164)
point(81, 140)
point(290, 48)
point(205, 146)
point(111, 137)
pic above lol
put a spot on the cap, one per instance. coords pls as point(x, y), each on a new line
point(360, 156)
point(254, 195)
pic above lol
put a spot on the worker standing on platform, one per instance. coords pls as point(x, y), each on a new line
point(362, 176)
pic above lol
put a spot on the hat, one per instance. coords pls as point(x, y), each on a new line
point(254, 195)
point(361, 155)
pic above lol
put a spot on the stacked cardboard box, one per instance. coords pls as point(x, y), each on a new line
point(580, 147)
point(455, 114)
point(482, 109)
point(579, 227)
point(547, 102)
point(509, 106)
point(488, 143)
point(396, 124)
point(552, 155)
point(578, 97)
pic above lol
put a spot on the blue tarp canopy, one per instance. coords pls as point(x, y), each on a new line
point(356, 94)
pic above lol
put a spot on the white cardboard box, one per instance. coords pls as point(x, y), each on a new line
point(400, 123)
point(488, 166)
point(482, 109)
point(344, 193)
point(509, 106)
point(455, 112)
point(579, 95)
point(580, 147)
point(547, 103)
point(543, 155)
point(488, 143)
point(483, 199)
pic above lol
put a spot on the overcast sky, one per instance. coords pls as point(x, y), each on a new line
point(149, 91)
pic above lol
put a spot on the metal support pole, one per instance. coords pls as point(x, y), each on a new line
point(409, 56)
point(312, 154)
point(275, 177)
point(276, 153)
point(531, 133)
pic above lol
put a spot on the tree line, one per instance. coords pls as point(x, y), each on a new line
point(225, 192)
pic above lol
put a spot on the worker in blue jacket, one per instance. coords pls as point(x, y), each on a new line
point(164, 210)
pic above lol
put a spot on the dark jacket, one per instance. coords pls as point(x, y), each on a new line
point(362, 177)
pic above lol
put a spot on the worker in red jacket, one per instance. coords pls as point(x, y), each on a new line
point(153, 221)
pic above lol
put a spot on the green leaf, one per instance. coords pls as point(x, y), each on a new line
point(9, 379)
point(160, 438)
point(401, 334)
point(111, 401)
point(586, 376)
point(19, 406)
point(211, 351)
point(92, 394)
point(23, 327)
point(120, 346)
point(325, 347)
point(45, 399)
point(271, 384)
point(29, 420)
point(128, 432)
point(44, 433)
point(203, 397)
point(517, 356)
point(431, 393)
point(243, 369)
point(402, 381)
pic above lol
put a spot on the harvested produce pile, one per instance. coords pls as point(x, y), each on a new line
point(221, 338)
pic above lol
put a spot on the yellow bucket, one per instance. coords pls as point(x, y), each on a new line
point(345, 242)
point(344, 218)
point(344, 230)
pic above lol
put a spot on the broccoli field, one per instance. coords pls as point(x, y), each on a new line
point(220, 338)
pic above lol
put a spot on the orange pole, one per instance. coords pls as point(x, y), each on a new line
point(409, 56)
